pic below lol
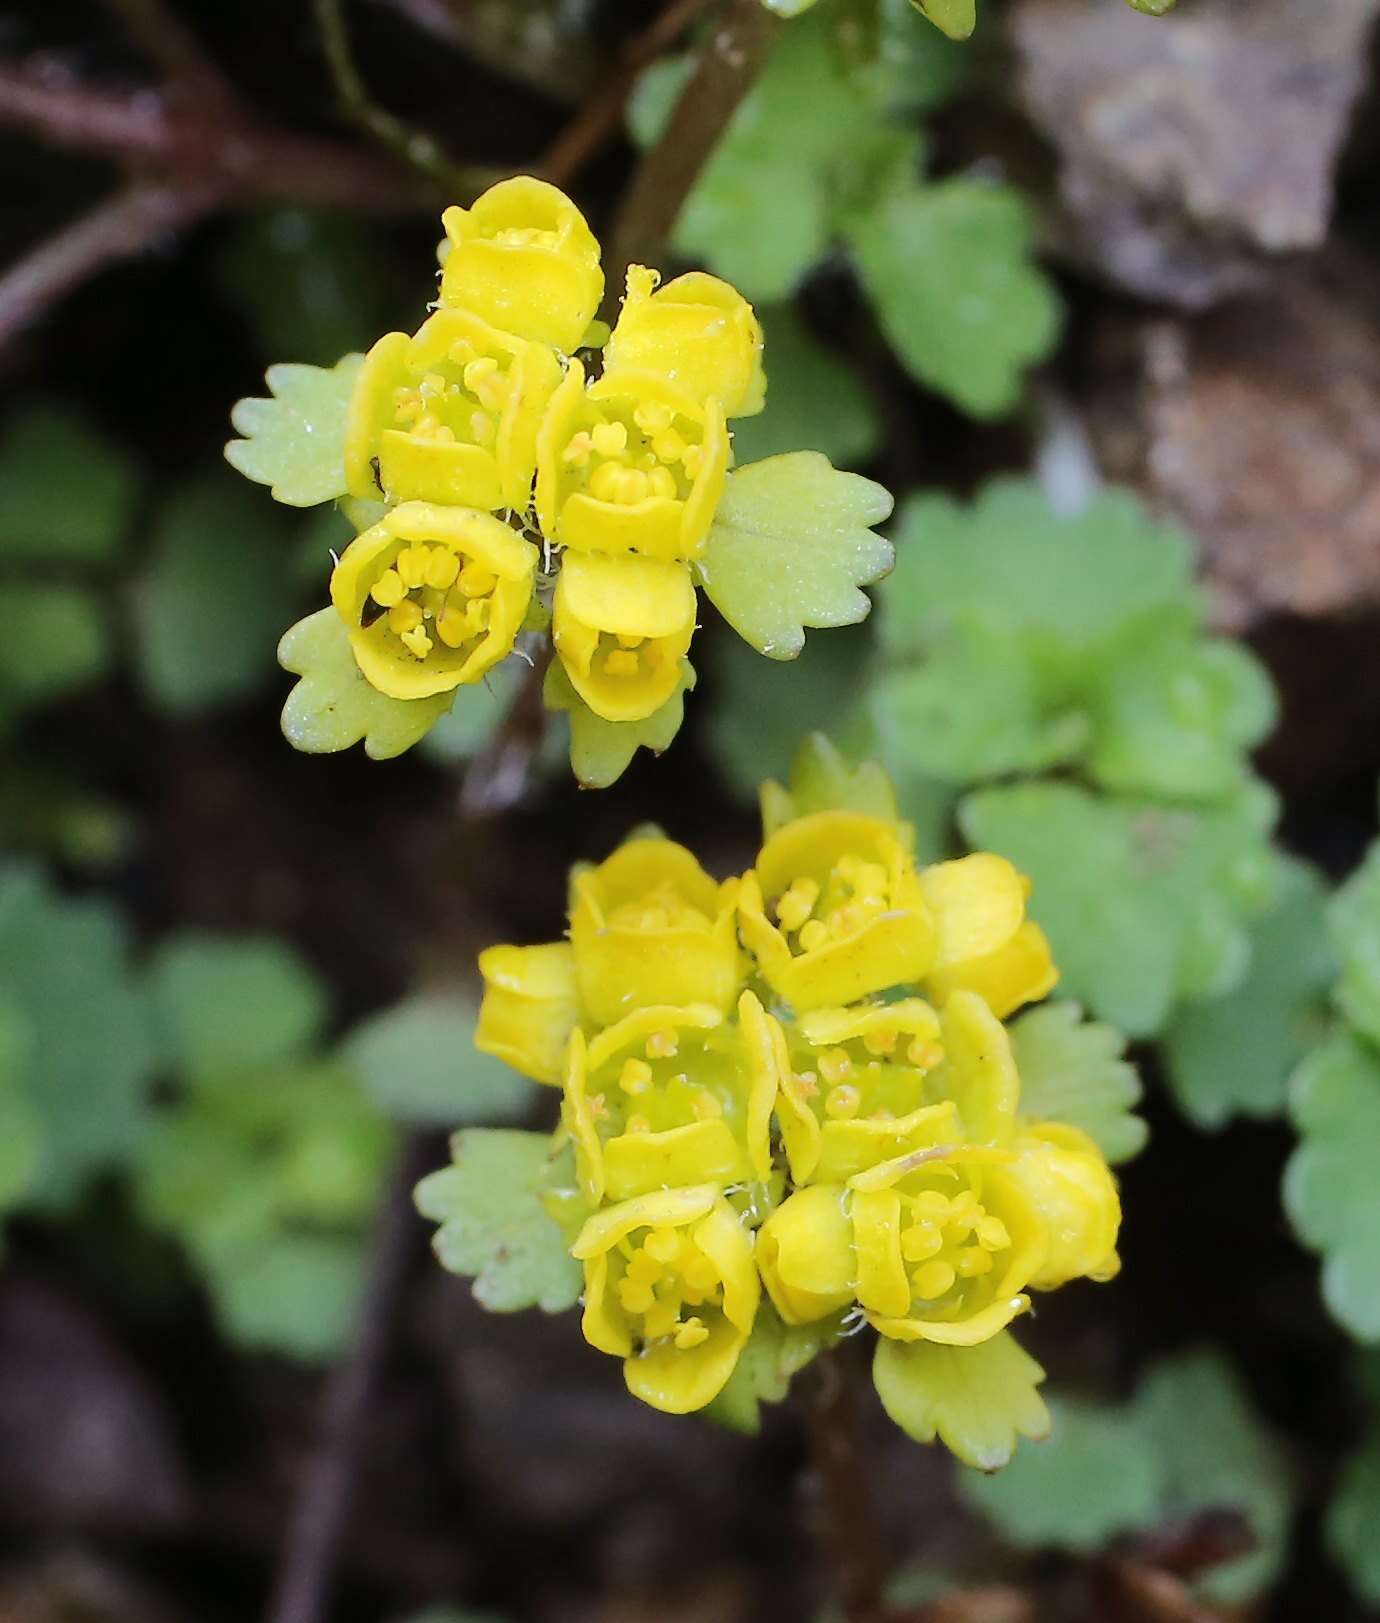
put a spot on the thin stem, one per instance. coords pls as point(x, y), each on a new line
point(119, 228)
point(737, 51)
point(412, 145)
point(845, 1523)
point(172, 45)
point(320, 1518)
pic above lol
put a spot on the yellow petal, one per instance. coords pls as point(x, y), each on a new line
point(667, 1208)
point(530, 1008)
point(1066, 1177)
point(883, 1286)
point(1021, 971)
point(805, 1255)
point(978, 1071)
point(978, 903)
point(679, 1382)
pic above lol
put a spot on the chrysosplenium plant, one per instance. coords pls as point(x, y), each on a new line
point(514, 465)
point(790, 1109)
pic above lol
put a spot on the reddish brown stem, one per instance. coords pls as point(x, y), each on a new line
point(845, 1523)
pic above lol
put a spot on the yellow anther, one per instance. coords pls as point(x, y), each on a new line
point(433, 385)
point(635, 1077)
point(669, 446)
point(453, 626)
point(388, 590)
point(404, 616)
point(835, 1065)
point(632, 486)
point(700, 1274)
point(693, 459)
point(663, 1045)
point(475, 580)
point(663, 1245)
point(797, 904)
point(661, 1318)
point(622, 662)
point(880, 1042)
point(921, 1241)
point(577, 449)
point(460, 351)
point(651, 416)
point(638, 1124)
point(973, 1261)
point(598, 1107)
point(662, 483)
point(483, 429)
point(842, 1102)
point(605, 482)
point(609, 439)
point(417, 642)
point(441, 568)
point(932, 1279)
point(930, 1203)
point(813, 934)
point(924, 1055)
point(635, 1296)
point(478, 372)
point(651, 918)
point(993, 1234)
point(411, 565)
point(691, 1334)
point(808, 1083)
point(705, 1106)
point(845, 921)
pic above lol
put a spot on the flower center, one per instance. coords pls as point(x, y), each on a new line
point(949, 1239)
point(855, 893)
point(462, 400)
point(656, 1093)
point(623, 464)
point(430, 593)
point(665, 1275)
point(663, 908)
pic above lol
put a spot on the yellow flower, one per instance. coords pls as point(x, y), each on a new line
point(449, 416)
point(986, 943)
point(522, 258)
point(432, 597)
point(670, 1097)
point(697, 332)
point(621, 627)
point(1066, 1176)
point(530, 1008)
point(853, 1089)
point(650, 926)
point(1020, 971)
point(630, 464)
point(670, 1288)
point(939, 1245)
point(834, 910)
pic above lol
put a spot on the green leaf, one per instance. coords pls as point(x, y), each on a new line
point(20, 1147)
point(814, 400)
point(774, 1354)
point(494, 1225)
point(56, 640)
point(1187, 1443)
point(66, 495)
point(467, 727)
point(234, 1003)
point(312, 283)
point(1215, 1454)
point(977, 1400)
point(1353, 924)
point(956, 18)
point(951, 272)
point(1331, 1192)
point(822, 779)
point(295, 442)
point(1145, 905)
point(601, 751)
point(294, 1294)
point(89, 1060)
point(1073, 1071)
point(1352, 1518)
point(218, 587)
point(1234, 1054)
point(1152, 8)
point(1092, 1479)
point(758, 704)
point(791, 543)
point(418, 1062)
point(333, 706)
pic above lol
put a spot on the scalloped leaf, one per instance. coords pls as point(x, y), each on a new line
point(950, 269)
point(66, 494)
point(1353, 927)
point(791, 544)
point(493, 1225)
point(1154, 910)
point(333, 706)
point(1233, 1055)
point(956, 18)
point(977, 1400)
point(1331, 1191)
point(1072, 1070)
point(418, 1062)
point(601, 751)
point(295, 442)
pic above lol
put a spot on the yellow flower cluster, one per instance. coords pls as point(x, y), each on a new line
point(799, 1081)
point(492, 446)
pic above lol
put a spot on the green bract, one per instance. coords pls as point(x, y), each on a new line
point(294, 443)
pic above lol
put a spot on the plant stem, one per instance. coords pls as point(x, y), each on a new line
point(844, 1522)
